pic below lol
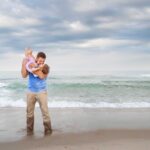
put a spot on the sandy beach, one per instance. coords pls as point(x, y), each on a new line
point(78, 128)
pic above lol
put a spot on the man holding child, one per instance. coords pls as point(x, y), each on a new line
point(37, 89)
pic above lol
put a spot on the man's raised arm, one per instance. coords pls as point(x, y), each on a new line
point(24, 72)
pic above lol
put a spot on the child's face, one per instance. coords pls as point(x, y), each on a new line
point(40, 61)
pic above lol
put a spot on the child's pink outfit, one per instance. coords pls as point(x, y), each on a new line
point(31, 60)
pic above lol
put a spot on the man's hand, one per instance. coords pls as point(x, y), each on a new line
point(24, 72)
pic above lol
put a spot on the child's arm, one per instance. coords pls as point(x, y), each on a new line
point(40, 74)
point(34, 68)
point(30, 66)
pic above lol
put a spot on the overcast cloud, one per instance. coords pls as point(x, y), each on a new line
point(77, 35)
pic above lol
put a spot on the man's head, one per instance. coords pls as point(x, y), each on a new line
point(45, 69)
point(40, 58)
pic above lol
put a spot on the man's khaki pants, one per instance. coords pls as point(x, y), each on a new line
point(41, 97)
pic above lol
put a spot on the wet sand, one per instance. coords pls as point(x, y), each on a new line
point(78, 128)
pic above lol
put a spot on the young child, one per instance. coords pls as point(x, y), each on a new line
point(31, 65)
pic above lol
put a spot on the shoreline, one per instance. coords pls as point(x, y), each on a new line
point(95, 140)
point(77, 128)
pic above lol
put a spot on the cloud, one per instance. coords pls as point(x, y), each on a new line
point(67, 27)
point(105, 42)
point(77, 26)
point(90, 5)
point(8, 22)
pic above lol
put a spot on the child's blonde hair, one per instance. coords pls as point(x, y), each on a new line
point(45, 69)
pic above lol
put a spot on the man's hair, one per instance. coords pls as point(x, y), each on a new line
point(41, 54)
point(45, 69)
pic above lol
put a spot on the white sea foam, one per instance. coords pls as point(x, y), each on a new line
point(66, 104)
point(5, 102)
point(2, 84)
point(145, 75)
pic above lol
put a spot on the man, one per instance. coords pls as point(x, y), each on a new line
point(37, 92)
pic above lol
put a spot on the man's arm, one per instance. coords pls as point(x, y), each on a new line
point(24, 72)
point(40, 74)
point(34, 70)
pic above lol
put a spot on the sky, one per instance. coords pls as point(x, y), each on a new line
point(77, 35)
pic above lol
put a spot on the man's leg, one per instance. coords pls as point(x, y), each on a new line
point(42, 98)
point(31, 99)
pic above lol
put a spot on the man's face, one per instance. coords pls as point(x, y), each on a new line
point(40, 60)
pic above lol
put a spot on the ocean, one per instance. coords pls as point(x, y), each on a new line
point(82, 89)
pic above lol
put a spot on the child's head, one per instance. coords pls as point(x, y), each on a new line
point(28, 52)
point(45, 69)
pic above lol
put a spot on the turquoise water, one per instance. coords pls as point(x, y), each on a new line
point(81, 89)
